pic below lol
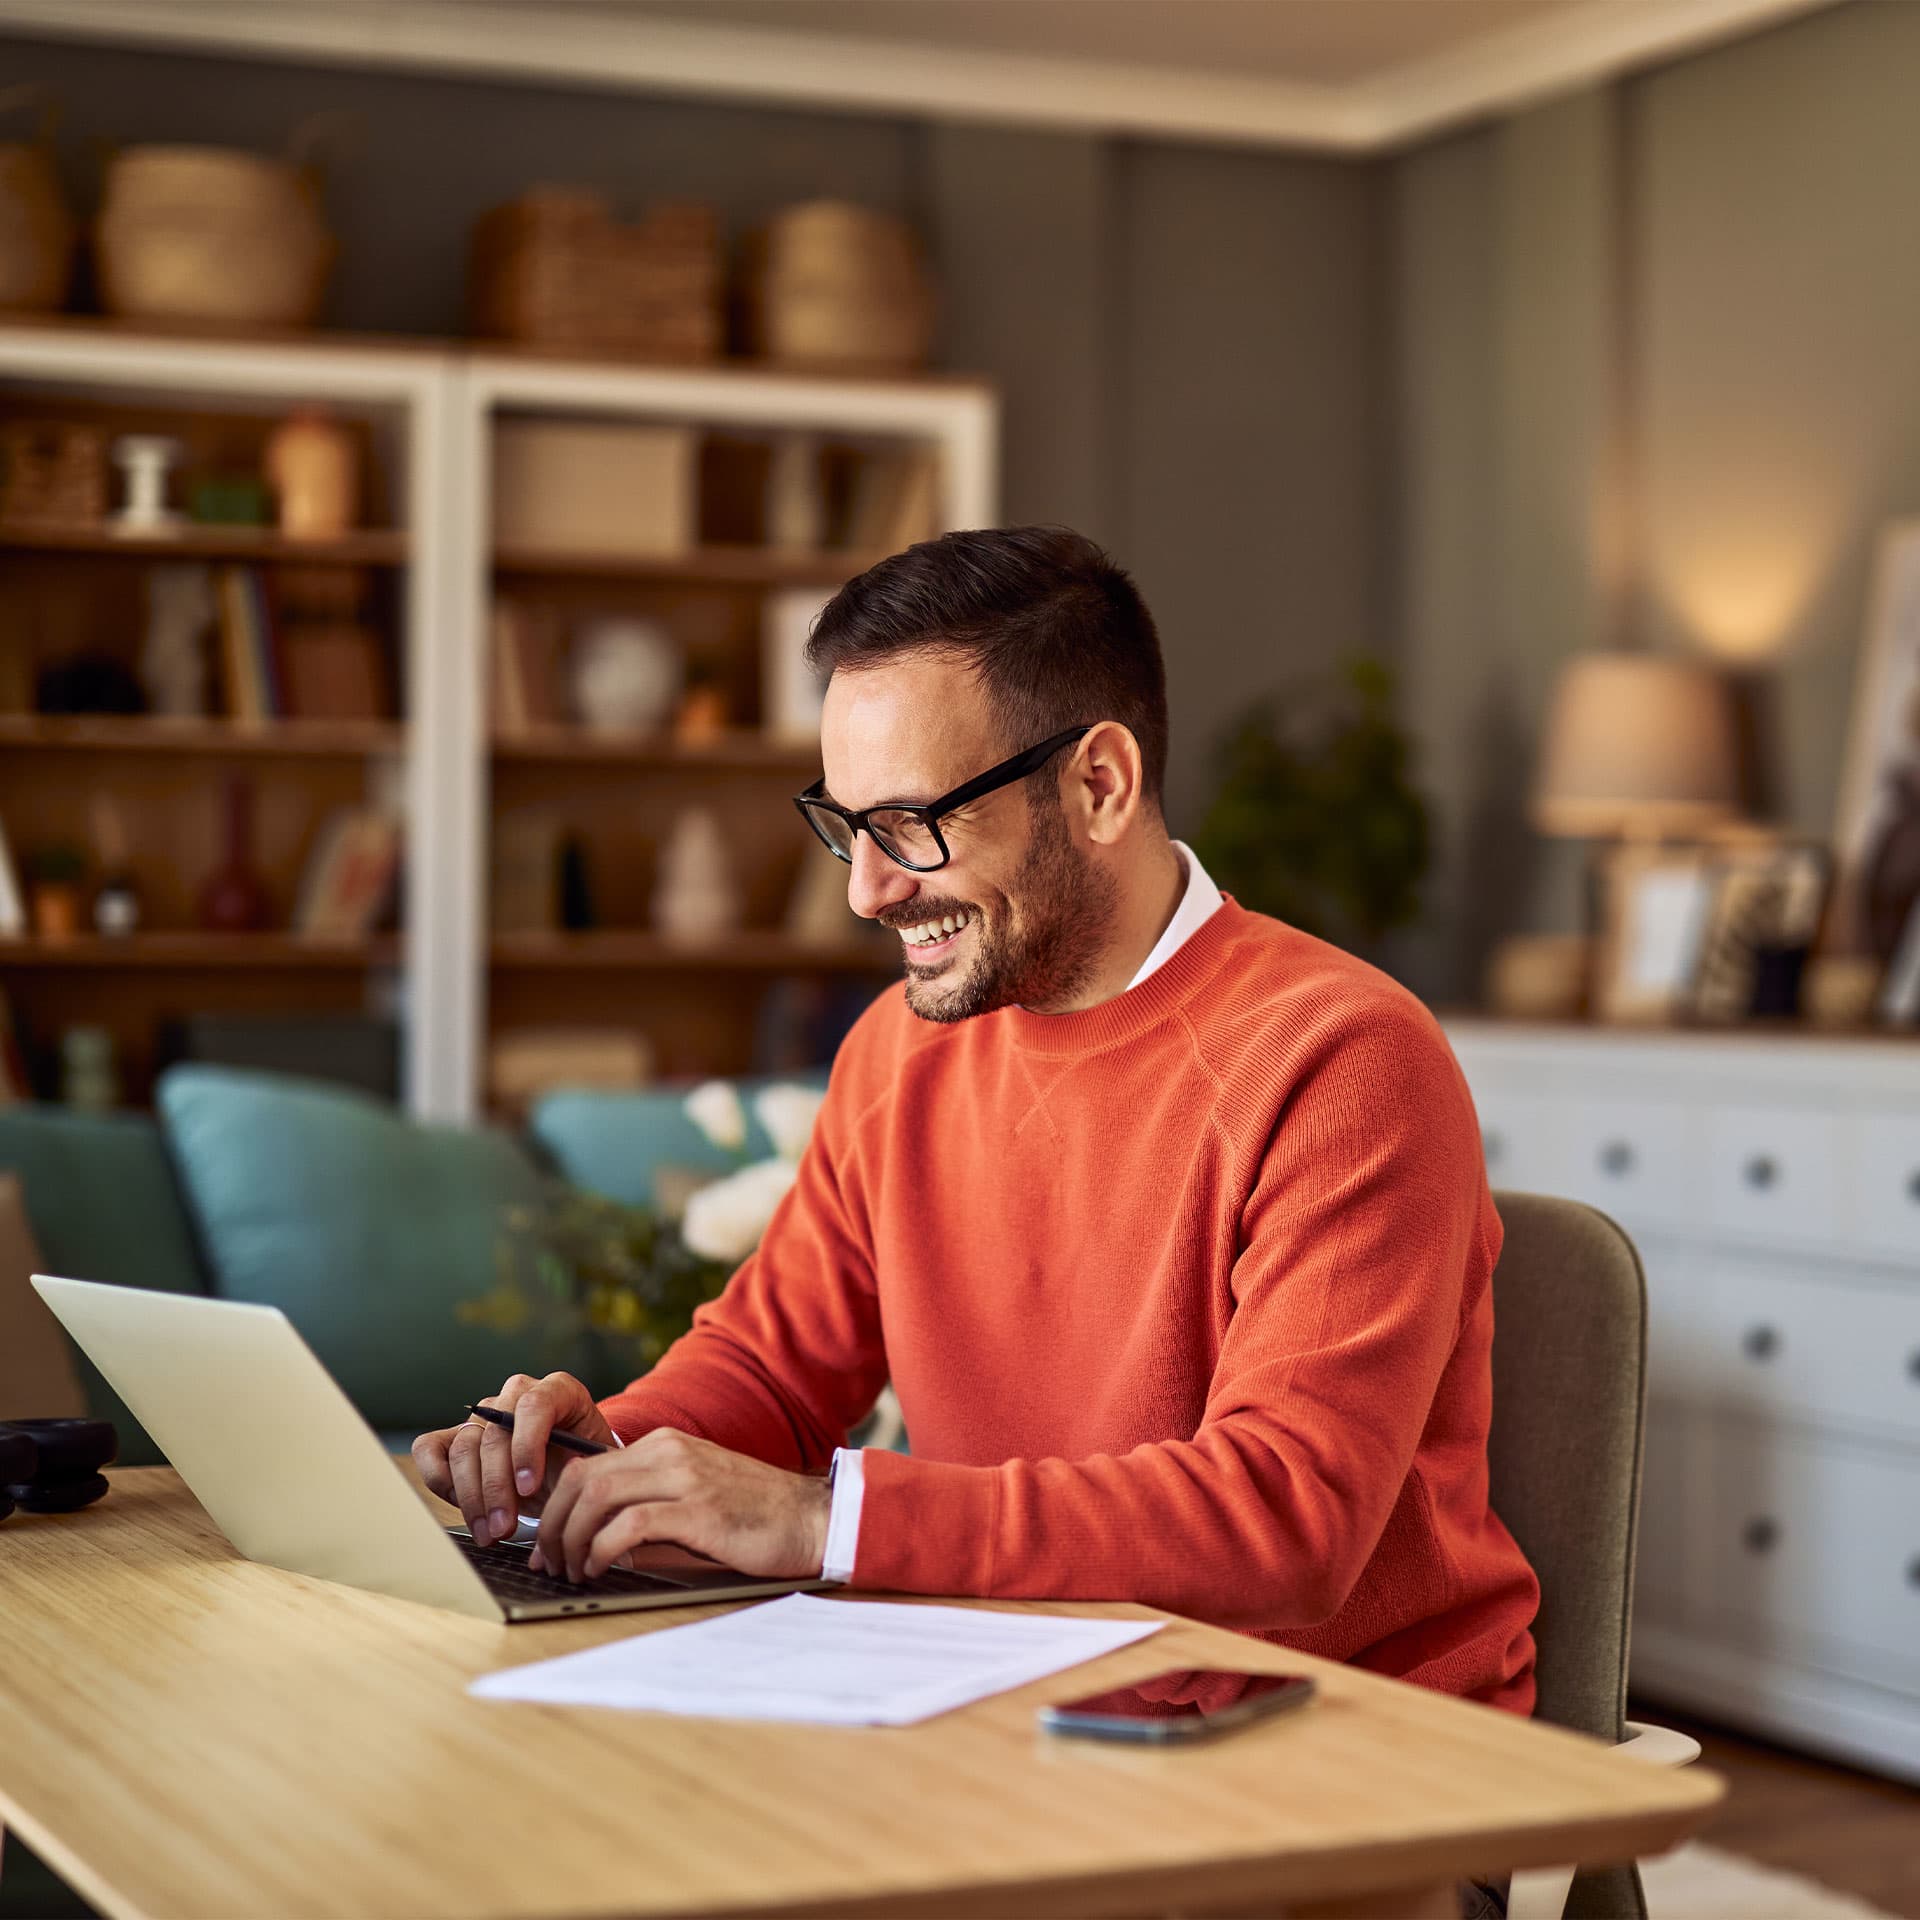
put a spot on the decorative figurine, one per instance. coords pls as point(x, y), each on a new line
point(146, 459)
point(173, 657)
point(313, 468)
point(116, 900)
point(234, 900)
point(626, 675)
point(697, 897)
point(89, 1076)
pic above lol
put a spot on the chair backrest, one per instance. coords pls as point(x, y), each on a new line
point(1569, 1400)
point(1569, 1363)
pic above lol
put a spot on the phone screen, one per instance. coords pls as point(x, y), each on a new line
point(1179, 1705)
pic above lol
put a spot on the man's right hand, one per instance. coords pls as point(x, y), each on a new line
point(494, 1476)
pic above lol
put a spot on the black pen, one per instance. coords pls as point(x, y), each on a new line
point(559, 1437)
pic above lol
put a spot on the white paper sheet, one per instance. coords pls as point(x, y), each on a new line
point(846, 1663)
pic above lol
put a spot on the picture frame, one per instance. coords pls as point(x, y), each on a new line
point(1884, 734)
point(1769, 899)
point(1898, 1002)
point(1654, 906)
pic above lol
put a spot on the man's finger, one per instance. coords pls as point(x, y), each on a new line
point(430, 1457)
point(535, 1412)
point(632, 1527)
point(496, 1483)
point(463, 1462)
point(551, 1553)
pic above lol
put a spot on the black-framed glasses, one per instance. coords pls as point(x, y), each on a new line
point(910, 836)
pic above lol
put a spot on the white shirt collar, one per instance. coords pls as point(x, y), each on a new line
point(1197, 906)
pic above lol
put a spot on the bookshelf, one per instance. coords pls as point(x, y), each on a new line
point(464, 966)
point(167, 787)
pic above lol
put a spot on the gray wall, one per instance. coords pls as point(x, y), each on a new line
point(1702, 273)
point(1190, 343)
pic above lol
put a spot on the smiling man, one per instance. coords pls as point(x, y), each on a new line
point(1167, 1222)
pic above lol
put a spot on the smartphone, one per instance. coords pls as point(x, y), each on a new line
point(1124, 1715)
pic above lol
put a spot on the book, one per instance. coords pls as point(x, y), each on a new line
point(512, 708)
point(350, 875)
point(893, 500)
point(240, 660)
point(13, 912)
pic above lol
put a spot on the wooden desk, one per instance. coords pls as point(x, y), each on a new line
point(186, 1735)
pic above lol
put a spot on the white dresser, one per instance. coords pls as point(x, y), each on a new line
point(1773, 1187)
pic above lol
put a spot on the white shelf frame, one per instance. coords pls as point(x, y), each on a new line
point(87, 363)
point(960, 418)
point(445, 399)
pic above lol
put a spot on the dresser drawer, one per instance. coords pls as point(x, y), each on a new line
point(1814, 1552)
point(1517, 1134)
point(1825, 1350)
point(1633, 1159)
point(1773, 1172)
point(1885, 1157)
point(1686, 1340)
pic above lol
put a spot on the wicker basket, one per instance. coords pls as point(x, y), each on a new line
point(555, 269)
point(36, 231)
point(831, 284)
point(211, 235)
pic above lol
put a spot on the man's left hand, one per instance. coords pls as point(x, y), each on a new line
point(669, 1486)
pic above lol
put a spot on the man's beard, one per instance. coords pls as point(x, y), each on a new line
point(1067, 906)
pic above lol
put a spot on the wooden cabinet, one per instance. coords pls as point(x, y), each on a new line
point(1773, 1188)
point(428, 418)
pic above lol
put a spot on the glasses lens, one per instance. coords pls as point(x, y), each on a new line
point(907, 837)
point(832, 829)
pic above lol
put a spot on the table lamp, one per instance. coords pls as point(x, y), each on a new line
point(1638, 746)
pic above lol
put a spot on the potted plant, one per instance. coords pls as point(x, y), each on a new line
point(1317, 820)
point(56, 879)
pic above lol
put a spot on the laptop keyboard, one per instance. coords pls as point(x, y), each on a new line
point(507, 1574)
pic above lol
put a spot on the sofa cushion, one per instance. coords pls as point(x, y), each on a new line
point(103, 1205)
point(615, 1143)
point(366, 1229)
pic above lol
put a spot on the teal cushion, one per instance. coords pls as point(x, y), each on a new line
point(104, 1205)
point(614, 1143)
point(366, 1229)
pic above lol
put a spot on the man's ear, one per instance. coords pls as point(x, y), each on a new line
point(1105, 777)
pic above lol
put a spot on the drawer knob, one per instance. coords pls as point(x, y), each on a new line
point(1913, 1186)
point(1616, 1158)
point(1761, 1172)
point(1495, 1147)
point(1913, 1366)
point(1760, 1535)
point(1761, 1342)
point(1913, 1571)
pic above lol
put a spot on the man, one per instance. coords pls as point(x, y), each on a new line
point(1167, 1222)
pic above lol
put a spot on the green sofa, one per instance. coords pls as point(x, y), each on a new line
point(366, 1229)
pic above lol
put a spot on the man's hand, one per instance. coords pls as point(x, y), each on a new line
point(669, 1486)
point(494, 1476)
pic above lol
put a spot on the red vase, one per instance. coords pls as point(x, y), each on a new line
point(235, 898)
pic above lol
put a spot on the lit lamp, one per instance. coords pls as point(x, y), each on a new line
point(1638, 748)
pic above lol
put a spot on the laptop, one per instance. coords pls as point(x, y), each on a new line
point(295, 1478)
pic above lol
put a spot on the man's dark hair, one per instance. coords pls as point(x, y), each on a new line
point(1056, 632)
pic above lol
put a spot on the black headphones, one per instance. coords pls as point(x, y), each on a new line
point(53, 1466)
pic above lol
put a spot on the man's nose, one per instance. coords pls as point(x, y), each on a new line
point(875, 883)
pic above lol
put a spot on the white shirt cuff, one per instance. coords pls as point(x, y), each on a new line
point(843, 1517)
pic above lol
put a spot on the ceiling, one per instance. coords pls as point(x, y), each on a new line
point(1323, 42)
point(1346, 76)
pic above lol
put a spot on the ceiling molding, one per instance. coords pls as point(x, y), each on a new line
point(645, 53)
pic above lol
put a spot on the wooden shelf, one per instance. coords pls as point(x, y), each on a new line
point(144, 733)
point(737, 748)
point(699, 566)
point(372, 547)
point(749, 952)
point(193, 952)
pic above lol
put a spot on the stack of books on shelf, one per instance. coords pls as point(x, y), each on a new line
point(250, 665)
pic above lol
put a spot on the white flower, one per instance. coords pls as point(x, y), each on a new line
point(714, 1107)
point(724, 1221)
point(787, 1113)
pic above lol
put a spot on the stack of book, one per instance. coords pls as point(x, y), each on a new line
point(250, 666)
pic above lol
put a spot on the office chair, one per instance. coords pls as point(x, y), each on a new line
point(1569, 1398)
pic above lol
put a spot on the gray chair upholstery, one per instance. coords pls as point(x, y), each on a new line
point(1569, 1366)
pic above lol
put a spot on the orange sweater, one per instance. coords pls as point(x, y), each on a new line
point(1186, 1301)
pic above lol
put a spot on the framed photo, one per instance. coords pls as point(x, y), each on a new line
point(1898, 1004)
point(1654, 908)
point(1768, 899)
point(1884, 738)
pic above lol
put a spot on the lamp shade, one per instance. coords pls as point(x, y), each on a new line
point(1636, 743)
